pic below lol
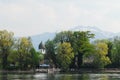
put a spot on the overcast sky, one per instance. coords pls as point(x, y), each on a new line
point(30, 17)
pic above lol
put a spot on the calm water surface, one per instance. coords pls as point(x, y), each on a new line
point(43, 76)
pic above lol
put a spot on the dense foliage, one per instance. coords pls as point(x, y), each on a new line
point(6, 43)
point(96, 54)
point(64, 55)
point(17, 53)
point(68, 50)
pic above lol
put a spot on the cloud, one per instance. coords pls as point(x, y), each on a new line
point(29, 17)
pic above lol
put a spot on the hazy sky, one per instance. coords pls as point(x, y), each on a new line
point(29, 17)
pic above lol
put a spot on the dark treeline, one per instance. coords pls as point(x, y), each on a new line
point(68, 50)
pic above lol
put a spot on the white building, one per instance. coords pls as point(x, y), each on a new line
point(42, 48)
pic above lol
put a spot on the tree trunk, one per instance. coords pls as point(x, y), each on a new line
point(80, 60)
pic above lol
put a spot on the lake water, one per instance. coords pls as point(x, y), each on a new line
point(60, 76)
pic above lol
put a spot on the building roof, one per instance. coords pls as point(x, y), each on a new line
point(41, 46)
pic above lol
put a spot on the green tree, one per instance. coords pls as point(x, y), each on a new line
point(64, 36)
point(100, 57)
point(88, 57)
point(12, 59)
point(116, 52)
point(80, 42)
point(109, 45)
point(6, 43)
point(50, 52)
point(23, 47)
point(36, 57)
point(81, 45)
point(64, 55)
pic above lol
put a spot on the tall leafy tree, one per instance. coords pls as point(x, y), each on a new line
point(81, 44)
point(109, 45)
point(100, 57)
point(50, 52)
point(65, 55)
point(23, 46)
point(64, 36)
point(6, 43)
point(79, 41)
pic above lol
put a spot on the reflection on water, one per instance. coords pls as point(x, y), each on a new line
point(43, 76)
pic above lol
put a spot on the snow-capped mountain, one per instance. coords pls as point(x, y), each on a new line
point(86, 28)
point(99, 34)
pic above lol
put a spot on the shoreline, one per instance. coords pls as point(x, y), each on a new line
point(16, 71)
point(106, 70)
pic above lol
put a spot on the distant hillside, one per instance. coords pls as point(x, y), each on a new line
point(99, 34)
point(36, 39)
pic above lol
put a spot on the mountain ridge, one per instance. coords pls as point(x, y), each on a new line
point(99, 34)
